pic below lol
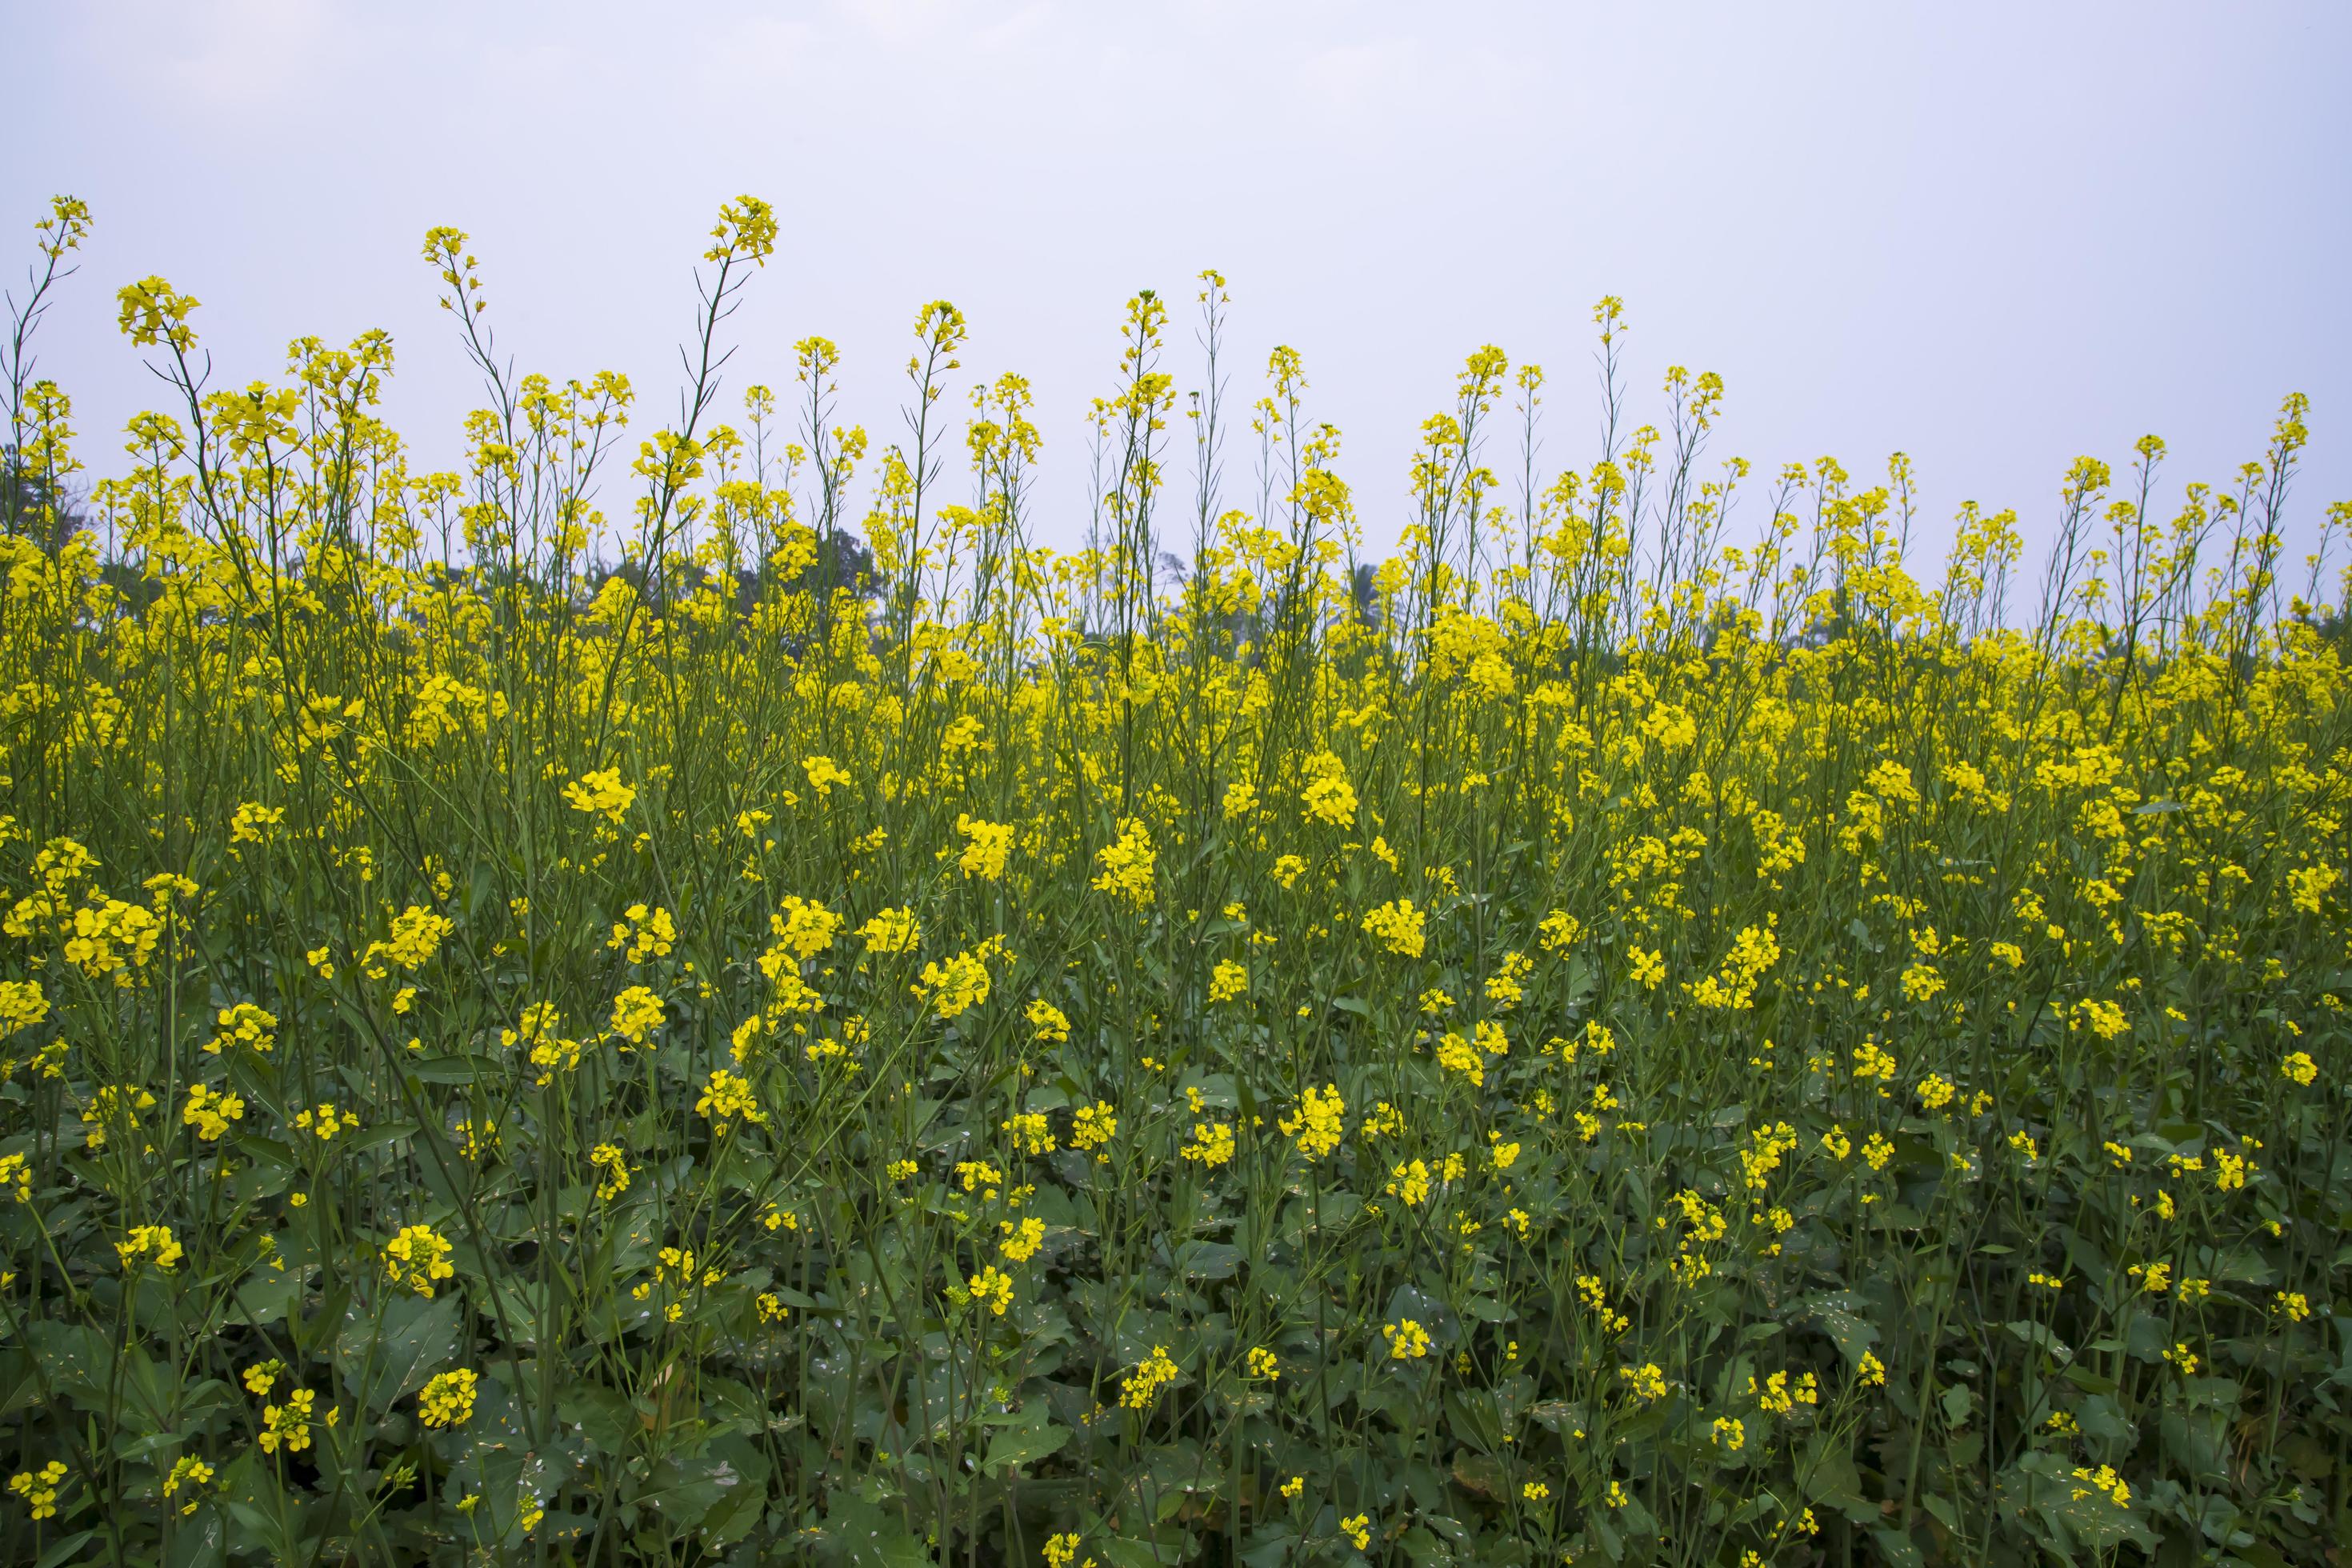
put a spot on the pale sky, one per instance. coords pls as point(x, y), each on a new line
point(1991, 236)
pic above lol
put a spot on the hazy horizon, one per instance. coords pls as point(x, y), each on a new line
point(1991, 243)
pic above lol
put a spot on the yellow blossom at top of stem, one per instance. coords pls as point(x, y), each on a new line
point(152, 312)
point(601, 793)
point(1092, 1126)
point(1407, 1340)
point(954, 986)
point(447, 1398)
point(1212, 1145)
point(642, 932)
point(746, 231)
point(416, 937)
point(1140, 1387)
point(1022, 1241)
point(892, 930)
point(1398, 926)
point(987, 845)
point(726, 1099)
point(1318, 1123)
point(1128, 865)
point(991, 1287)
point(1647, 1382)
point(1330, 799)
point(22, 1005)
point(824, 773)
point(1031, 1131)
point(149, 1243)
point(637, 1012)
point(418, 1258)
point(244, 1024)
point(210, 1111)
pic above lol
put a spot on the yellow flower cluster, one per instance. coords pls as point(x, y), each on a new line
point(418, 1258)
point(1319, 1124)
point(447, 1398)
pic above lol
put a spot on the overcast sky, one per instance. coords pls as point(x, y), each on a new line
point(1989, 236)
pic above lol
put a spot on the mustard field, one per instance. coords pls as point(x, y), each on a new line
point(698, 996)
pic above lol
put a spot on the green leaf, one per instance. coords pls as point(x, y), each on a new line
point(20, 1382)
point(1831, 1481)
point(866, 1536)
point(684, 1490)
point(601, 1417)
point(198, 1541)
point(149, 1397)
point(2194, 1443)
point(1475, 1419)
point(1839, 1315)
point(1958, 1400)
point(1167, 1551)
point(738, 1509)
point(1481, 1473)
point(63, 1550)
point(380, 1136)
point(1026, 1444)
point(382, 1362)
point(262, 1518)
point(1269, 1546)
point(734, 1516)
point(263, 1296)
point(516, 1306)
point(1898, 1548)
point(1423, 1547)
point(1208, 1260)
point(458, 1069)
point(2089, 1382)
point(76, 1359)
point(2039, 1336)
